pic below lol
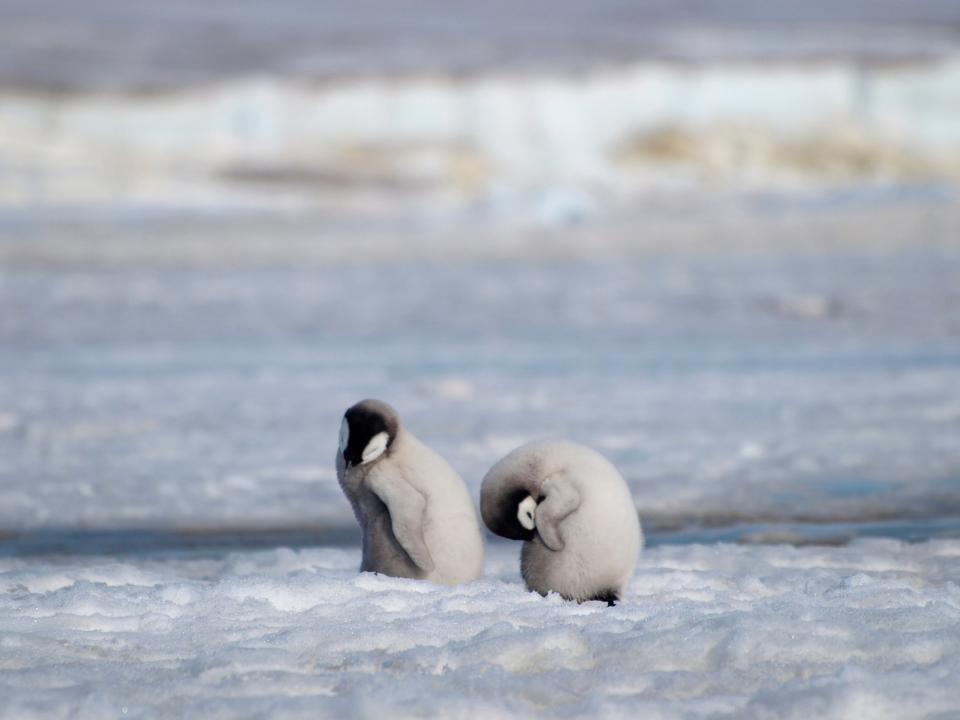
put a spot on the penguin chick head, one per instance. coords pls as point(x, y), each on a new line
point(367, 431)
point(509, 512)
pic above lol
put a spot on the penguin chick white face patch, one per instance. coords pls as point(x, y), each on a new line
point(344, 435)
point(525, 512)
point(375, 448)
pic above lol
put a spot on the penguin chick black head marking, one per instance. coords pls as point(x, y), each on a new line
point(511, 514)
point(367, 431)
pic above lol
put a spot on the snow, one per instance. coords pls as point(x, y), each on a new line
point(756, 383)
point(868, 630)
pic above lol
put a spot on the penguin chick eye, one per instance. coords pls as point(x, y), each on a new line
point(525, 512)
point(375, 448)
point(344, 435)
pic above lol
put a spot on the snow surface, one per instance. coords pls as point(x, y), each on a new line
point(772, 382)
point(871, 630)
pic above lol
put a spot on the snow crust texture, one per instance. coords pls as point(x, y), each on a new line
point(868, 630)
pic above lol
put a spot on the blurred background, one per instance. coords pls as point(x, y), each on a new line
point(718, 241)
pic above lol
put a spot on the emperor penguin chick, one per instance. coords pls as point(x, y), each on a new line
point(416, 514)
point(574, 513)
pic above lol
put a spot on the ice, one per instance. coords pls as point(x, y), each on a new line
point(169, 376)
point(706, 631)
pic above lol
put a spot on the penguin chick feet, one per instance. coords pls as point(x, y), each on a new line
point(610, 597)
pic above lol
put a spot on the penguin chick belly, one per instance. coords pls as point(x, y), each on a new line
point(546, 570)
point(452, 533)
point(451, 530)
point(456, 547)
point(580, 571)
point(601, 545)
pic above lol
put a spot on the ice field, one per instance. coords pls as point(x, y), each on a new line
point(175, 542)
point(165, 373)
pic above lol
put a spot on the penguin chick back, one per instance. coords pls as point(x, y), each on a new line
point(587, 532)
point(414, 509)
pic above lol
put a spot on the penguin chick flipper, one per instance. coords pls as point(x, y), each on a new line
point(560, 498)
point(407, 507)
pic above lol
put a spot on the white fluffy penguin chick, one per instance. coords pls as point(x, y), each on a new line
point(575, 513)
point(416, 514)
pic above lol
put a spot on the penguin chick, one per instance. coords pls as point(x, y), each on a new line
point(417, 518)
point(575, 514)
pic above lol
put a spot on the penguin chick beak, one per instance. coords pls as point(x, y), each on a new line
point(525, 512)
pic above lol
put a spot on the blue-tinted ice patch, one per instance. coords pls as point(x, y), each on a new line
point(855, 488)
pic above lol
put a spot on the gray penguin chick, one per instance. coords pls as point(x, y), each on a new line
point(575, 514)
point(417, 518)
